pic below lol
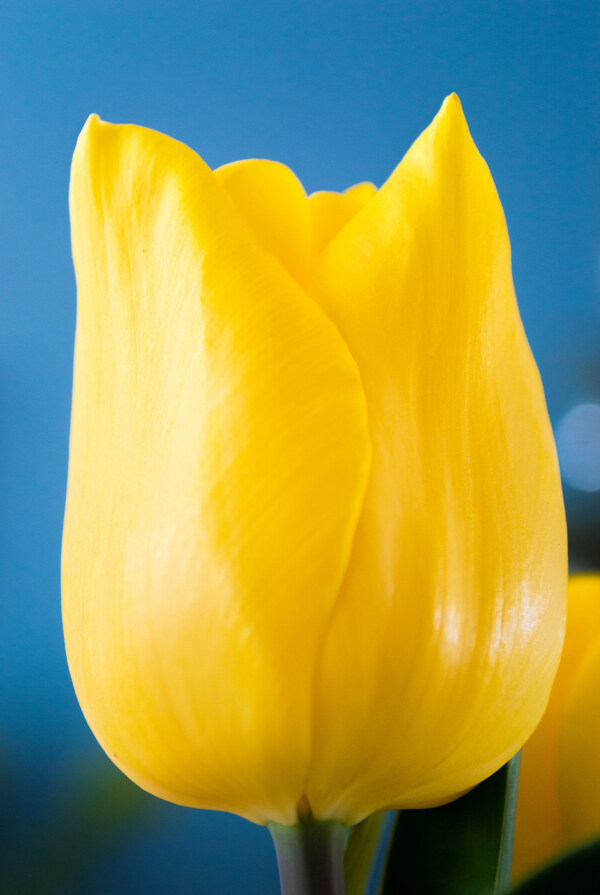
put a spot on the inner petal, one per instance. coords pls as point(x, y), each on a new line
point(331, 211)
point(273, 203)
point(288, 224)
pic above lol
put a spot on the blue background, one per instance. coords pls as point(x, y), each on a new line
point(338, 91)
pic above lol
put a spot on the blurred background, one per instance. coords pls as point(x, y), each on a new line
point(338, 91)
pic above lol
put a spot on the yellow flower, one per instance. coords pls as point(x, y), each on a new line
point(314, 553)
point(558, 805)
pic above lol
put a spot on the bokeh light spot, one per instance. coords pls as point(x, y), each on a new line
point(578, 444)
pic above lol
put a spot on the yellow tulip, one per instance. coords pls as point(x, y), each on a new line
point(314, 553)
point(558, 805)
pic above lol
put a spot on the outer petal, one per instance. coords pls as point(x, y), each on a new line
point(441, 651)
point(546, 823)
point(219, 455)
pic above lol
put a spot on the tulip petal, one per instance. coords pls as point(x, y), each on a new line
point(440, 653)
point(293, 228)
point(332, 211)
point(273, 203)
point(541, 830)
point(578, 743)
point(579, 751)
point(218, 462)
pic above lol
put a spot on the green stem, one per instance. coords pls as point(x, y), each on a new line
point(310, 857)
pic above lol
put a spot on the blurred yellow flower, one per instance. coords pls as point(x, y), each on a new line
point(558, 805)
point(314, 553)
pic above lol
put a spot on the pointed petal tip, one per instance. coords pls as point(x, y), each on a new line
point(88, 131)
point(451, 111)
point(450, 123)
point(95, 127)
point(452, 102)
point(92, 122)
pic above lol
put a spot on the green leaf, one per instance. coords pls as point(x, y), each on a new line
point(576, 872)
point(362, 848)
point(464, 848)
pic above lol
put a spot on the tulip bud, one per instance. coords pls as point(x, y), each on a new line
point(314, 554)
point(558, 805)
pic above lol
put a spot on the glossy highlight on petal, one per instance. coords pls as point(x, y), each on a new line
point(218, 460)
